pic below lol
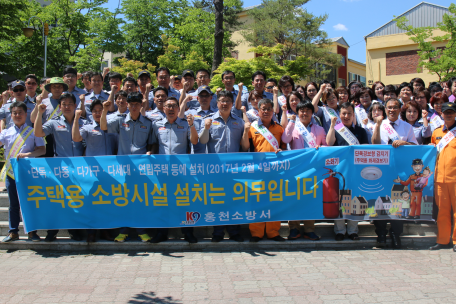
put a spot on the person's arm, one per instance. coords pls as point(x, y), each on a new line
point(114, 90)
point(46, 93)
point(105, 72)
point(182, 107)
point(376, 139)
point(275, 99)
point(245, 142)
point(184, 92)
point(331, 136)
point(238, 103)
point(287, 135)
point(39, 150)
point(146, 106)
point(317, 97)
point(204, 134)
point(193, 132)
point(284, 119)
point(35, 111)
point(75, 129)
point(38, 126)
point(82, 108)
point(103, 119)
point(244, 114)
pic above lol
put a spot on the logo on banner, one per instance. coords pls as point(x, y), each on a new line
point(191, 218)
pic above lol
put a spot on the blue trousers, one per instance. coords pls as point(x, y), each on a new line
point(14, 211)
point(231, 229)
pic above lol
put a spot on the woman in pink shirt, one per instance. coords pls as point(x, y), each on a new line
point(303, 134)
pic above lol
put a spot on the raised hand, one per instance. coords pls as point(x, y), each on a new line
point(82, 98)
point(106, 105)
point(241, 86)
point(243, 109)
point(190, 119)
point(208, 123)
point(247, 126)
point(275, 90)
point(39, 99)
point(293, 117)
point(378, 120)
point(333, 121)
point(114, 89)
point(284, 108)
point(78, 114)
point(42, 108)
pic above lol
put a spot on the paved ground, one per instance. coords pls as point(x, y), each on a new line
point(361, 276)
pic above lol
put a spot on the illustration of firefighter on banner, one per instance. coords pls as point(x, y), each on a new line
point(353, 182)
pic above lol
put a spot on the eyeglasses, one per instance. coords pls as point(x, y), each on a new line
point(266, 109)
point(171, 106)
point(204, 96)
point(69, 76)
point(270, 87)
point(18, 90)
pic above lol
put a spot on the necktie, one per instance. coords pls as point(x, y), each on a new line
point(390, 141)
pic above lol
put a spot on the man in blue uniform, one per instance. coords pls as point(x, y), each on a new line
point(163, 78)
point(160, 95)
point(18, 95)
point(96, 81)
point(70, 77)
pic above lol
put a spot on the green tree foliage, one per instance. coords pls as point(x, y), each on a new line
point(440, 61)
point(286, 22)
point(134, 67)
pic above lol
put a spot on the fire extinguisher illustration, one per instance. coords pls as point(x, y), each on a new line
point(331, 198)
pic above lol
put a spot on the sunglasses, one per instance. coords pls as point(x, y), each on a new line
point(270, 87)
point(18, 90)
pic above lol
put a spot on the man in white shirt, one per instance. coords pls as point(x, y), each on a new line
point(395, 132)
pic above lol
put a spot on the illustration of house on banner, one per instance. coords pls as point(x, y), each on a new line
point(383, 205)
point(359, 205)
point(398, 206)
point(346, 196)
point(396, 191)
point(426, 204)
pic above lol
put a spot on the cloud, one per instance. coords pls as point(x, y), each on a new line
point(340, 27)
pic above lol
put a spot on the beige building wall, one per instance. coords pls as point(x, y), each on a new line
point(378, 47)
point(356, 68)
point(242, 47)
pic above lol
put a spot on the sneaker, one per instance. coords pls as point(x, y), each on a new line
point(311, 236)
point(339, 237)
point(254, 239)
point(32, 236)
point(158, 238)
point(144, 237)
point(50, 237)
point(278, 239)
point(121, 238)
point(294, 234)
point(237, 238)
point(11, 237)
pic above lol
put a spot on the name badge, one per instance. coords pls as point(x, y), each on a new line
point(125, 125)
point(161, 129)
point(215, 123)
point(143, 127)
point(180, 127)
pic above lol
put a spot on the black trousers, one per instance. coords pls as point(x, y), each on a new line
point(231, 229)
point(397, 227)
point(184, 230)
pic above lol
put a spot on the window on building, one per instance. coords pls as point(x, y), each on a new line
point(342, 82)
point(356, 77)
point(342, 60)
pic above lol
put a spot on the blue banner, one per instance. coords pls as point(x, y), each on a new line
point(356, 182)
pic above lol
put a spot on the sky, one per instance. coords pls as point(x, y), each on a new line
point(351, 19)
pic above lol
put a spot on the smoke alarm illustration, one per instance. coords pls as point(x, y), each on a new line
point(371, 173)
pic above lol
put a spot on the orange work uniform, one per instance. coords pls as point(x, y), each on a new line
point(415, 199)
point(262, 145)
point(445, 186)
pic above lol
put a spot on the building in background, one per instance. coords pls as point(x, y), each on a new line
point(391, 57)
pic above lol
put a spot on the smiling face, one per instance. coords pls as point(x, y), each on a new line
point(96, 112)
point(67, 106)
point(160, 98)
point(426, 172)
point(311, 91)
point(86, 82)
point(258, 83)
point(365, 100)
point(121, 103)
point(411, 114)
point(379, 91)
point(438, 106)
point(420, 98)
point(346, 115)
point(305, 115)
point(254, 100)
point(228, 80)
point(225, 104)
point(163, 79)
point(286, 88)
point(56, 90)
point(70, 80)
point(18, 115)
point(376, 112)
point(393, 109)
point(417, 168)
point(265, 112)
point(31, 85)
point(343, 96)
point(294, 100)
point(331, 101)
point(202, 78)
point(405, 196)
point(405, 94)
point(97, 83)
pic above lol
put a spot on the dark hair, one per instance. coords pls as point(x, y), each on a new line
point(120, 93)
point(160, 69)
point(394, 99)
point(271, 80)
point(255, 93)
point(297, 87)
point(88, 74)
point(438, 97)
point(422, 90)
point(65, 96)
point(224, 93)
point(115, 75)
point(307, 85)
point(305, 105)
point(203, 70)
point(363, 91)
point(18, 104)
point(70, 71)
point(347, 105)
point(131, 79)
point(96, 74)
point(284, 80)
point(327, 93)
point(161, 89)
point(331, 83)
point(43, 80)
point(411, 103)
point(375, 84)
point(404, 85)
point(258, 73)
point(134, 97)
point(451, 82)
point(228, 72)
point(419, 80)
point(372, 108)
point(435, 88)
point(265, 101)
point(342, 88)
point(94, 103)
point(173, 99)
point(359, 84)
point(390, 89)
point(31, 76)
point(301, 99)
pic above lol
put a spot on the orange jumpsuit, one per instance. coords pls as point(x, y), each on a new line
point(445, 187)
point(415, 199)
point(262, 145)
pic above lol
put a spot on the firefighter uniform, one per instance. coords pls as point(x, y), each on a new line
point(416, 194)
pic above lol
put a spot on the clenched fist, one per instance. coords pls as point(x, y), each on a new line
point(208, 123)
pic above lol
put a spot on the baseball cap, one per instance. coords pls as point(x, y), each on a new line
point(188, 72)
point(204, 88)
point(144, 73)
point(446, 106)
point(18, 83)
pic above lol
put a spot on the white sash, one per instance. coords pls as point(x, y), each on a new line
point(282, 100)
point(361, 114)
point(392, 134)
point(446, 139)
point(435, 121)
point(346, 134)
point(266, 134)
point(306, 135)
point(15, 149)
point(254, 112)
point(331, 113)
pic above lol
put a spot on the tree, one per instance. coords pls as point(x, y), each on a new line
point(286, 22)
point(436, 60)
point(134, 67)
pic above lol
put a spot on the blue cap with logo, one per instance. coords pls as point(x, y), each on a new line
point(18, 83)
point(204, 88)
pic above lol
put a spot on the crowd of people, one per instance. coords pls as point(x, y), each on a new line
point(182, 115)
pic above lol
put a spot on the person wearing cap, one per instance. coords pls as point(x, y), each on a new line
point(19, 94)
point(258, 82)
point(86, 78)
point(64, 145)
point(173, 135)
point(70, 77)
point(445, 177)
point(395, 132)
point(96, 81)
point(229, 79)
point(19, 138)
point(160, 96)
point(225, 132)
point(135, 137)
point(31, 85)
point(163, 79)
point(177, 83)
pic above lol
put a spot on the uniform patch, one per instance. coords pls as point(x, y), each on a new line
point(154, 114)
point(89, 101)
point(125, 125)
point(61, 127)
point(235, 123)
point(161, 129)
point(180, 127)
point(215, 123)
point(197, 116)
point(143, 127)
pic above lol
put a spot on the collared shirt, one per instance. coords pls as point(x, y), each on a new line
point(171, 138)
point(98, 141)
point(199, 116)
point(64, 146)
point(225, 137)
point(6, 114)
point(172, 92)
point(88, 91)
point(51, 105)
point(77, 92)
point(8, 137)
point(294, 137)
point(358, 132)
point(89, 98)
point(403, 129)
point(325, 119)
point(245, 99)
point(155, 114)
point(445, 168)
point(260, 143)
point(117, 113)
point(421, 132)
point(32, 99)
point(134, 136)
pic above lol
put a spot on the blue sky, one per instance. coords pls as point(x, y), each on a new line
point(351, 19)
